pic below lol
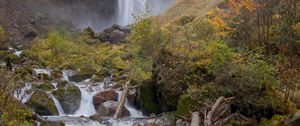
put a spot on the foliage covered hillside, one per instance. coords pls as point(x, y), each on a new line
point(247, 50)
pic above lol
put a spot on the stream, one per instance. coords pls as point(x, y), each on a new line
point(87, 109)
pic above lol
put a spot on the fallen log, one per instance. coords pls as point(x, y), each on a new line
point(122, 101)
point(195, 119)
point(219, 112)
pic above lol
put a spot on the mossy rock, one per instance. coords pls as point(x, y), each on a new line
point(42, 104)
point(45, 86)
point(81, 76)
point(147, 99)
point(43, 76)
point(57, 74)
point(62, 84)
point(3, 54)
point(69, 97)
point(13, 58)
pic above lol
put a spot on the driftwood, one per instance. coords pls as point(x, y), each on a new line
point(195, 119)
point(216, 115)
point(122, 101)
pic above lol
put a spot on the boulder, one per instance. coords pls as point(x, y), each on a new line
point(97, 117)
point(104, 96)
point(42, 104)
point(69, 98)
point(62, 84)
point(132, 96)
point(102, 36)
point(108, 108)
point(116, 36)
point(147, 99)
point(45, 86)
point(80, 76)
point(57, 74)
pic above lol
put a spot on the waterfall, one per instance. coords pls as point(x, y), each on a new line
point(86, 107)
point(58, 105)
point(128, 9)
point(133, 111)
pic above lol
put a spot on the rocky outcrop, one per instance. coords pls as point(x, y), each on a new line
point(104, 96)
point(163, 90)
point(42, 104)
point(69, 98)
point(115, 34)
point(108, 108)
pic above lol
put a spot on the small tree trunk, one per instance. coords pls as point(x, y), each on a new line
point(195, 119)
point(122, 101)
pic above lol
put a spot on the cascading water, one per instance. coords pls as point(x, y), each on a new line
point(58, 105)
point(128, 9)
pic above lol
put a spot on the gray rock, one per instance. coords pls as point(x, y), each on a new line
point(102, 36)
point(69, 97)
point(108, 108)
point(116, 36)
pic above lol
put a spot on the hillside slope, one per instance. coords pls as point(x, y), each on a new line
point(195, 8)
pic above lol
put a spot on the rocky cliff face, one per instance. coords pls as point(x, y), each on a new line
point(23, 20)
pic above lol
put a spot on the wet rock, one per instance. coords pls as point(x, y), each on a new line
point(116, 36)
point(160, 121)
point(104, 96)
point(108, 108)
point(80, 76)
point(97, 117)
point(69, 98)
point(42, 104)
point(132, 96)
point(147, 99)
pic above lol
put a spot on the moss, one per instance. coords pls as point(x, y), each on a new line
point(24, 73)
point(100, 75)
point(45, 87)
point(44, 76)
point(42, 104)
point(57, 74)
point(185, 106)
point(62, 83)
point(73, 90)
point(185, 20)
point(13, 58)
point(82, 75)
point(3, 54)
point(59, 92)
point(147, 99)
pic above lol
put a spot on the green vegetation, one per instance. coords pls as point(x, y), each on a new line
point(246, 49)
point(12, 113)
point(2, 37)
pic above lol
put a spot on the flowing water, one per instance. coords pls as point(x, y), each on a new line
point(87, 109)
point(129, 9)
